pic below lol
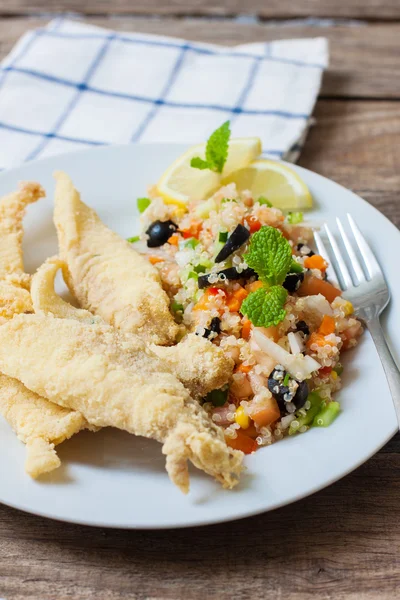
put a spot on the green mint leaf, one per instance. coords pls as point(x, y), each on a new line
point(142, 204)
point(199, 163)
point(134, 239)
point(264, 307)
point(217, 147)
point(270, 255)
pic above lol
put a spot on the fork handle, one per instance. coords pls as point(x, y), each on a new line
point(389, 366)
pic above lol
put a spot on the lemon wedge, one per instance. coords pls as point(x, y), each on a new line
point(181, 183)
point(274, 180)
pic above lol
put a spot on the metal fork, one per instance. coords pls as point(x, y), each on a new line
point(365, 287)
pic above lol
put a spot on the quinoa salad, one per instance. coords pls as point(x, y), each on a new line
point(211, 258)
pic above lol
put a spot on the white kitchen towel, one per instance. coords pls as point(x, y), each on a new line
point(71, 85)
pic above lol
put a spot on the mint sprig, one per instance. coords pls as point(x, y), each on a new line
point(216, 150)
point(270, 256)
point(265, 307)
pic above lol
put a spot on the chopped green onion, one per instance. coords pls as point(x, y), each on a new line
point(224, 200)
point(200, 269)
point(223, 236)
point(263, 200)
point(286, 380)
point(295, 217)
point(133, 239)
point(217, 397)
point(142, 204)
point(316, 402)
point(338, 369)
point(193, 275)
point(295, 267)
point(176, 307)
point(191, 243)
point(327, 414)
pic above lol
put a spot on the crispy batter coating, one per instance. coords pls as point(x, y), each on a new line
point(198, 364)
point(94, 370)
point(106, 275)
point(40, 424)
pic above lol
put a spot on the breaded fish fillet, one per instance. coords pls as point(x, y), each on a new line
point(92, 369)
point(197, 363)
point(40, 424)
point(14, 282)
point(106, 275)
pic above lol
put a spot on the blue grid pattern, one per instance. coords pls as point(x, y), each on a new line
point(282, 125)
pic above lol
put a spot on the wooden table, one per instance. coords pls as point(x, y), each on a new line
point(343, 542)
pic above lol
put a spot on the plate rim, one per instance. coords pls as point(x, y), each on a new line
point(218, 519)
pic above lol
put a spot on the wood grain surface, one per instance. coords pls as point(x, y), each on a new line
point(344, 542)
point(354, 9)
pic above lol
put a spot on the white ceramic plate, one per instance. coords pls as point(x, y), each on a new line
point(113, 479)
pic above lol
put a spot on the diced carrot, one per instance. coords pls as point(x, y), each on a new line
point(317, 338)
point(267, 414)
point(192, 231)
point(242, 442)
point(251, 431)
point(246, 329)
point(243, 368)
point(252, 287)
point(252, 223)
point(312, 286)
point(203, 302)
point(327, 325)
point(315, 262)
point(155, 259)
point(235, 300)
point(173, 240)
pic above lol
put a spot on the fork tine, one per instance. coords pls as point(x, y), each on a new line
point(370, 261)
point(358, 272)
point(343, 272)
point(330, 271)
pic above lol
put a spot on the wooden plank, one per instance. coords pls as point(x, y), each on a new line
point(340, 544)
point(364, 58)
point(357, 9)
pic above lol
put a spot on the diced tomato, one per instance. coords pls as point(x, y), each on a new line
point(312, 286)
point(242, 442)
point(213, 291)
point(267, 414)
point(315, 262)
point(193, 231)
point(252, 223)
point(325, 371)
point(327, 325)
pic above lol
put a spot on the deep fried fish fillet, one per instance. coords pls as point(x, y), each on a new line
point(92, 369)
point(39, 423)
point(105, 274)
point(198, 364)
point(14, 282)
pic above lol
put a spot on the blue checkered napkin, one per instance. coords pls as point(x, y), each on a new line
point(70, 85)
